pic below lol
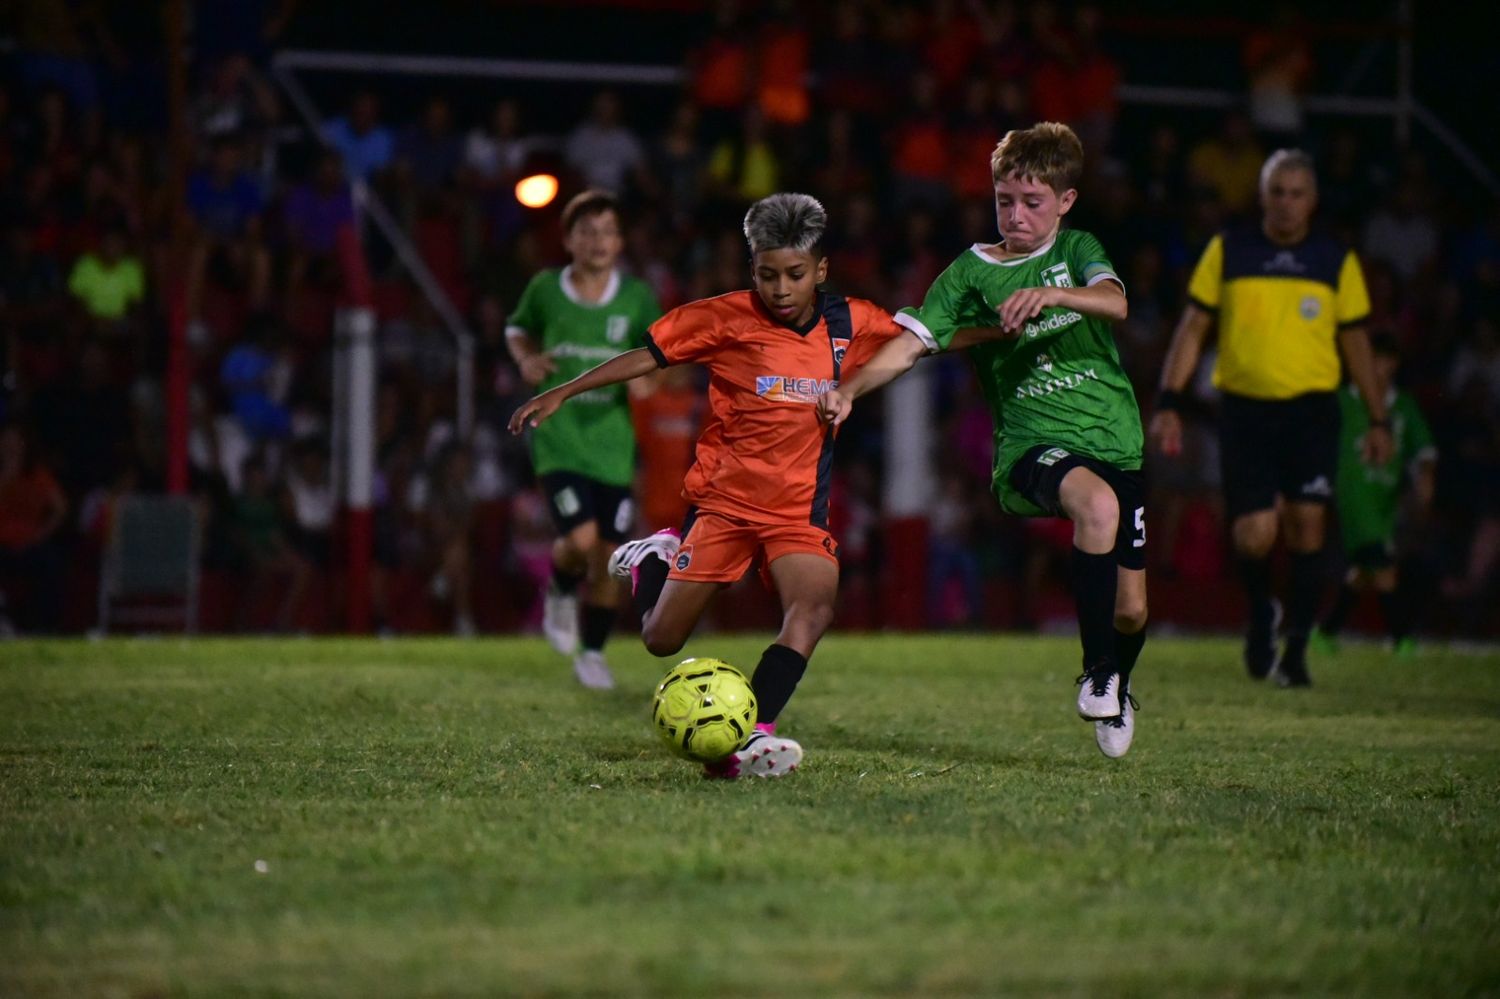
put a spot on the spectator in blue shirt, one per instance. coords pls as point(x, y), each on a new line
point(225, 201)
point(248, 374)
point(367, 146)
point(226, 204)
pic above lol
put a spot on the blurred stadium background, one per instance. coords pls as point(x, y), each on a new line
point(258, 255)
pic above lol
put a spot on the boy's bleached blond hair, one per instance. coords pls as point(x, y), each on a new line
point(1048, 152)
point(786, 221)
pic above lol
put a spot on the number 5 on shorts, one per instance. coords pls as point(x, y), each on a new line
point(1140, 528)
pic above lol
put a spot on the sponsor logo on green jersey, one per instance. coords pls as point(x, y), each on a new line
point(1057, 321)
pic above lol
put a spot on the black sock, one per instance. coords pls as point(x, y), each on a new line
point(775, 678)
point(651, 576)
point(1303, 596)
point(1128, 650)
point(1397, 618)
point(594, 623)
point(1255, 573)
point(565, 580)
point(1347, 598)
point(1095, 579)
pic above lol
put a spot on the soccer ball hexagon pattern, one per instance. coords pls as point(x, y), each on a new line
point(704, 709)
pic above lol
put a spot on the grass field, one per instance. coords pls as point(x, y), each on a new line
point(353, 818)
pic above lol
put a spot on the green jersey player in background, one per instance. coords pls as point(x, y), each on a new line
point(1369, 500)
point(567, 322)
point(1038, 307)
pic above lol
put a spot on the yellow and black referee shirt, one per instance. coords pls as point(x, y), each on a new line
point(1279, 308)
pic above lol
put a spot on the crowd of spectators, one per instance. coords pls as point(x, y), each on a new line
point(887, 111)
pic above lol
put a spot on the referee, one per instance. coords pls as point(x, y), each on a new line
point(1288, 301)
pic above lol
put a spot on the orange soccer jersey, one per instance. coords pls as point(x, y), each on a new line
point(764, 457)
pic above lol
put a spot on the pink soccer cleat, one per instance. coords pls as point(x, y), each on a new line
point(625, 562)
point(763, 756)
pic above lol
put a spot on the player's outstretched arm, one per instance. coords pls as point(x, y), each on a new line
point(1105, 300)
point(969, 336)
point(890, 362)
point(621, 368)
point(1178, 367)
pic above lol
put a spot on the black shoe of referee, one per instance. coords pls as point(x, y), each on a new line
point(1291, 670)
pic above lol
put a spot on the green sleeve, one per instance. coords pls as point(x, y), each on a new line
point(948, 307)
point(1087, 259)
point(527, 317)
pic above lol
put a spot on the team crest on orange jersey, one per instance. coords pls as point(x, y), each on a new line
point(684, 557)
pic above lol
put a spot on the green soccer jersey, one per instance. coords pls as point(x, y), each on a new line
point(1370, 496)
point(1060, 382)
point(591, 434)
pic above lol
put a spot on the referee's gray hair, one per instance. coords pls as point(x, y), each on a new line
point(785, 221)
point(1287, 159)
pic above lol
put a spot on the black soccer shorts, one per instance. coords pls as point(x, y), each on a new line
point(1278, 447)
point(574, 499)
point(1038, 474)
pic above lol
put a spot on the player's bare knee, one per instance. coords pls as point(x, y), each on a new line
point(1253, 549)
point(1130, 615)
point(583, 538)
point(568, 555)
point(1304, 540)
point(661, 641)
point(1099, 513)
point(809, 618)
point(1253, 539)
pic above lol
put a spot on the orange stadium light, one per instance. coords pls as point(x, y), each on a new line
point(536, 191)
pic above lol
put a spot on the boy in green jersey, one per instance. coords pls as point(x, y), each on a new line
point(1038, 307)
point(566, 322)
point(1369, 499)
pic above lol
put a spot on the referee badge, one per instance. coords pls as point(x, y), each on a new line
point(1310, 307)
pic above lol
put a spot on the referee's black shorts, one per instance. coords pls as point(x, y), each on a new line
point(1278, 447)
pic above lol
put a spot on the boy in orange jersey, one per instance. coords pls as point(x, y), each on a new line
point(760, 482)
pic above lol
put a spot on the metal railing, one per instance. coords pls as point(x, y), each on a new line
point(369, 205)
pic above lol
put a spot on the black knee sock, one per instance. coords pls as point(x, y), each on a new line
point(775, 678)
point(1303, 596)
point(1255, 573)
point(650, 578)
point(594, 623)
point(1095, 579)
point(1128, 650)
point(1397, 618)
point(1334, 622)
point(565, 580)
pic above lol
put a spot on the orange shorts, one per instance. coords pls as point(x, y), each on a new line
point(719, 549)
